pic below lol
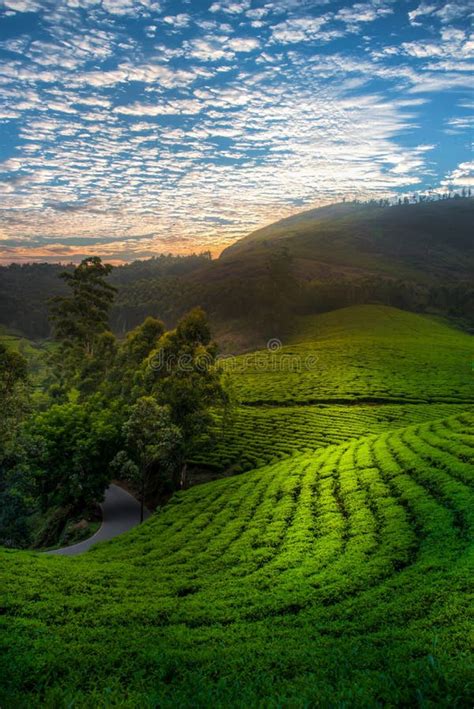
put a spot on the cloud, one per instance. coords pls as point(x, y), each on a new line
point(157, 74)
point(423, 10)
point(462, 176)
point(297, 30)
point(454, 11)
point(21, 5)
point(363, 12)
point(243, 44)
point(444, 12)
point(180, 106)
point(208, 49)
point(178, 21)
point(459, 125)
point(137, 126)
point(130, 7)
point(231, 7)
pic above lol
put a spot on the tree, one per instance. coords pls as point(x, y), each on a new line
point(181, 373)
point(17, 492)
point(13, 394)
point(16, 499)
point(125, 379)
point(79, 319)
point(77, 444)
point(97, 368)
point(153, 446)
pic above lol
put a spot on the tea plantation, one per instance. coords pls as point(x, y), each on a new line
point(265, 434)
point(335, 573)
point(339, 578)
point(365, 353)
point(344, 374)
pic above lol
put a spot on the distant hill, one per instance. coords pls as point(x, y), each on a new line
point(422, 242)
point(417, 257)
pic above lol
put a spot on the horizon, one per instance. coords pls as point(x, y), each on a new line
point(414, 200)
point(133, 129)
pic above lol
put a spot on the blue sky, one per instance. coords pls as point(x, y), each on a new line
point(132, 127)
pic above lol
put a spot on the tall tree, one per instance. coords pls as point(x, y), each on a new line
point(15, 478)
point(80, 318)
point(153, 446)
point(182, 374)
point(13, 393)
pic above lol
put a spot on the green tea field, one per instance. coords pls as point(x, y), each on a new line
point(343, 375)
point(337, 578)
point(335, 572)
point(264, 434)
point(365, 353)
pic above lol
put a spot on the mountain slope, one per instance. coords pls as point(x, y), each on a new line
point(363, 353)
point(340, 375)
point(335, 578)
point(419, 257)
point(420, 241)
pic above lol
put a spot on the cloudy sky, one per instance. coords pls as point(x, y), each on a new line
point(132, 127)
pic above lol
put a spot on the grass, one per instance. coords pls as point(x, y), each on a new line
point(361, 354)
point(334, 573)
point(336, 578)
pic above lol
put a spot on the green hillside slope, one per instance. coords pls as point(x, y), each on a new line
point(419, 241)
point(337, 578)
point(363, 353)
point(342, 375)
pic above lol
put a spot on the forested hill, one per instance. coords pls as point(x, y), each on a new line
point(423, 241)
point(25, 290)
point(417, 257)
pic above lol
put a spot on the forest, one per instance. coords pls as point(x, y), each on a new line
point(103, 410)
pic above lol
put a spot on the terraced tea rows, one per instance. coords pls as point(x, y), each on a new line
point(262, 435)
point(364, 353)
point(331, 578)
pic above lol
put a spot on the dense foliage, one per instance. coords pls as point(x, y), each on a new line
point(15, 475)
point(96, 392)
point(144, 288)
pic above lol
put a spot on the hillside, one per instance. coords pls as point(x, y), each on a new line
point(332, 573)
point(419, 257)
point(364, 353)
point(419, 242)
point(329, 579)
point(342, 375)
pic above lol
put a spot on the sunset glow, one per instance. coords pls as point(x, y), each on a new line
point(132, 128)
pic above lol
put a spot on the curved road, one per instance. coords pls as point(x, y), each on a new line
point(120, 512)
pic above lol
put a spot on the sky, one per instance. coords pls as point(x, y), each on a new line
point(134, 127)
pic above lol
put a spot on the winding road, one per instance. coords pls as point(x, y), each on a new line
point(120, 513)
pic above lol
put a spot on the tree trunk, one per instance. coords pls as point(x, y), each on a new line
point(142, 498)
point(183, 477)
